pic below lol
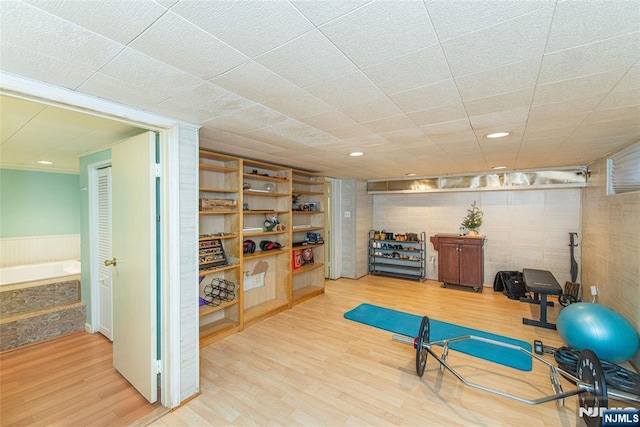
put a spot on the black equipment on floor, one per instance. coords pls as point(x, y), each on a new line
point(511, 283)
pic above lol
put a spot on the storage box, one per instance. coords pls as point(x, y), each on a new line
point(218, 204)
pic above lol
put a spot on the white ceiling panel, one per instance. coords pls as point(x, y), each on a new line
point(595, 58)
point(143, 71)
point(456, 18)
point(381, 30)
point(436, 95)
point(38, 66)
point(499, 45)
point(574, 25)
point(327, 10)
point(253, 81)
point(420, 68)
point(350, 89)
point(251, 26)
point(303, 82)
point(119, 20)
point(195, 51)
point(53, 36)
point(16, 114)
point(308, 60)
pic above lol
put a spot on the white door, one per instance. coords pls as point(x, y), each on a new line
point(103, 233)
point(134, 255)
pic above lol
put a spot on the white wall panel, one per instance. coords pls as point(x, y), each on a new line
point(38, 249)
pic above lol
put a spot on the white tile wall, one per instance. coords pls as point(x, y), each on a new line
point(611, 246)
point(38, 249)
point(524, 229)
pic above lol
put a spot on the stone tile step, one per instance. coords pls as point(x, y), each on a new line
point(27, 328)
point(33, 297)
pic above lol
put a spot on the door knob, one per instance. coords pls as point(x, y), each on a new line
point(108, 262)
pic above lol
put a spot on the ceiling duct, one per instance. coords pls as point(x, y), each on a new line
point(575, 176)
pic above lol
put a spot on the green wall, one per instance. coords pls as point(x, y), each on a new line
point(38, 203)
point(85, 248)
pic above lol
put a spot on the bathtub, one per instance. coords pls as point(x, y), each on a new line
point(34, 272)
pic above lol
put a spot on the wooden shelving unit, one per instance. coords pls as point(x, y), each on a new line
point(307, 280)
point(220, 185)
point(247, 195)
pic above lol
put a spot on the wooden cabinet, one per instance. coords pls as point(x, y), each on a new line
point(460, 260)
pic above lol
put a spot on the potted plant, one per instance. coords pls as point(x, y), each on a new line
point(473, 220)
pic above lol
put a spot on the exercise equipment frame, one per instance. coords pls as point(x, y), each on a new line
point(590, 383)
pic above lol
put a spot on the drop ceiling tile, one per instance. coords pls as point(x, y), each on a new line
point(252, 27)
point(246, 120)
point(116, 90)
point(631, 80)
point(350, 132)
point(581, 23)
point(381, 30)
point(439, 115)
point(577, 87)
point(121, 21)
point(456, 18)
point(329, 120)
point(194, 51)
point(308, 60)
point(296, 102)
point(320, 12)
point(513, 41)
point(408, 137)
point(167, 3)
point(35, 65)
point(146, 72)
point(502, 102)
point(34, 29)
point(461, 126)
point(620, 99)
point(301, 133)
point(441, 137)
point(218, 140)
point(600, 57)
point(420, 68)
point(374, 109)
point(253, 81)
point(625, 113)
point(16, 113)
point(350, 89)
point(512, 77)
point(196, 106)
point(549, 119)
point(436, 95)
point(499, 121)
point(390, 124)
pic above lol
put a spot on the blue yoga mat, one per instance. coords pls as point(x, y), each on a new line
point(409, 324)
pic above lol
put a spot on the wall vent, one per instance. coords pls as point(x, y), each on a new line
point(569, 177)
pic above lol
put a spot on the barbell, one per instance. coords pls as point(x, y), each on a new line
point(591, 385)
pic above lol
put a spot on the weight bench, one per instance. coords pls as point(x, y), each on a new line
point(541, 283)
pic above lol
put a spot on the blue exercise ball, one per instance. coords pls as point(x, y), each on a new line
point(600, 329)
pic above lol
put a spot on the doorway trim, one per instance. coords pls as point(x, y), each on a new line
point(92, 174)
point(176, 149)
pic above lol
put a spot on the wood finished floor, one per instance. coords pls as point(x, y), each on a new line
point(309, 366)
point(68, 381)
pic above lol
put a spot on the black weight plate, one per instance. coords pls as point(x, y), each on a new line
point(421, 350)
point(590, 372)
point(624, 380)
point(566, 299)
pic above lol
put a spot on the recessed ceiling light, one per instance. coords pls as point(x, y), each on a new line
point(497, 135)
point(499, 167)
point(44, 162)
point(411, 174)
point(356, 153)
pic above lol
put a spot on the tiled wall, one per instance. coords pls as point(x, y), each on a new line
point(355, 229)
point(524, 229)
point(611, 246)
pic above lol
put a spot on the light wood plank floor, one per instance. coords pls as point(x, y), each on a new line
point(310, 366)
point(68, 381)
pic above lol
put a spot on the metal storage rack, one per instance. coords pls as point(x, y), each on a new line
point(397, 258)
